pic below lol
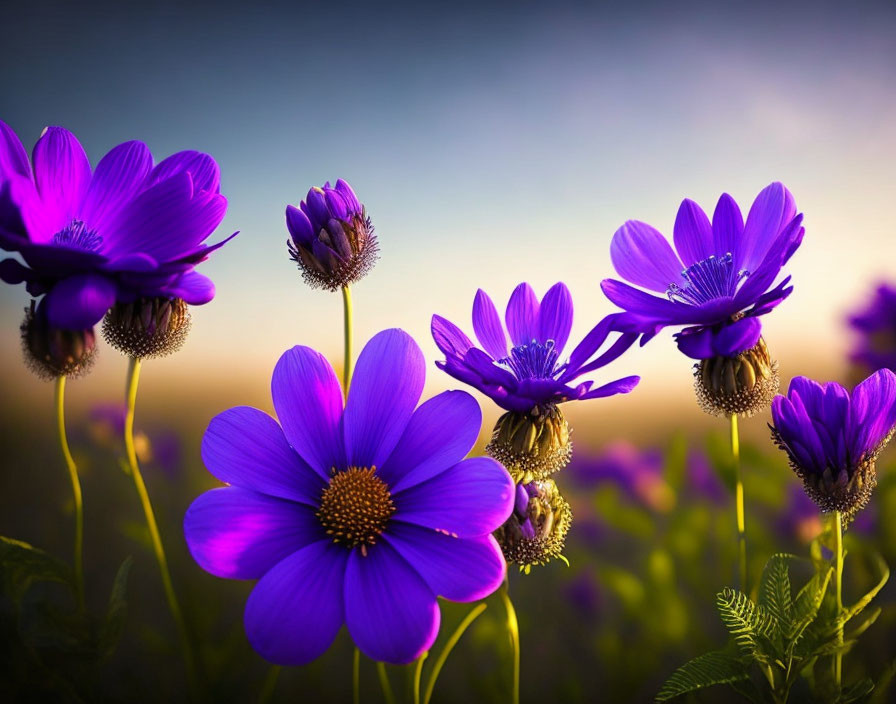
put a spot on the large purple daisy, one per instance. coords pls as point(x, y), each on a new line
point(360, 516)
point(719, 278)
point(122, 231)
point(833, 437)
point(529, 373)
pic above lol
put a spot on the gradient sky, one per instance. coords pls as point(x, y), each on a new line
point(491, 146)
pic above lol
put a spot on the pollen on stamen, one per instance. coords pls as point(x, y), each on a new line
point(355, 507)
point(708, 279)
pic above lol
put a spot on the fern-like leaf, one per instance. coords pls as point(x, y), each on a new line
point(807, 603)
point(750, 624)
point(774, 591)
point(707, 670)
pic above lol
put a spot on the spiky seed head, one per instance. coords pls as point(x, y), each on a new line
point(742, 385)
point(533, 445)
point(148, 327)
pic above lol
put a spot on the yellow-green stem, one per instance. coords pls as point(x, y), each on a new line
point(270, 684)
point(347, 365)
point(384, 683)
point(76, 490)
point(155, 538)
point(418, 672)
point(449, 646)
point(838, 588)
point(739, 505)
point(356, 677)
point(513, 630)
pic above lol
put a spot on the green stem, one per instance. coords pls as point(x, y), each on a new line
point(418, 672)
point(76, 490)
point(356, 676)
point(739, 505)
point(449, 646)
point(838, 587)
point(270, 684)
point(514, 632)
point(347, 365)
point(133, 380)
point(384, 683)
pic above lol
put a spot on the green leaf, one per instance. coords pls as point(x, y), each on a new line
point(707, 670)
point(21, 565)
point(857, 691)
point(808, 601)
point(774, 591)
point(856, 608)
point(116, 611)
point(749, 623)
point(866, 622)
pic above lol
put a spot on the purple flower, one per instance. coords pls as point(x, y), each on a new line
point(116, 233)
point(833, 437)
point(800, 518)
point(875, 324)
point(529, 374)
point(332, 237)
point(361, 515)
point(720, 279)
point(704, 479)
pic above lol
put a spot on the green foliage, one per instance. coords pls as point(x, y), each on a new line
point(781, 636)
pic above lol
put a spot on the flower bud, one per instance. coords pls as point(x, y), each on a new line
point(147, 327)
point(533, 445)
point(742, 385)
point(332, 239)
point(536, 530)
point(50, 352)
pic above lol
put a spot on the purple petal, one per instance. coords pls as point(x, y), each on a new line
point(439, 435)
point(79, 302)
point(872, 411)
point(240, 534)
point(12, 271)
point(738, 337)
point(61, 172)
point(692, 233)
point(642, 256)
point(696, 343)
point(386, 386)
point(727, 226)
point(487, 326)
point(13, 157)
point(391, 613)
point(299, 226)
point(521, 315)
point(202, 169)
point(195, 288)
point(620, 386)
point(245, 447)
point(454, 568)
point(308, 400)
point(651, 307)
point(295, 611)
point(449, 338)
point(117, 179)
point(349, 195)
point(555, 316)
point(470, 499)
point(771, 211)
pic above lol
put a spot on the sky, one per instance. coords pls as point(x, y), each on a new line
point(491, 145)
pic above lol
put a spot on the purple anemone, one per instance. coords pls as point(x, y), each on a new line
point(124, 230)
point(360, 515)
point(719, 278)
point(332, 239)
point(833, 437)
point(529, 373)
point(875, 346)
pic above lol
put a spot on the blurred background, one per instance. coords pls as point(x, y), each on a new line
point(491, 145)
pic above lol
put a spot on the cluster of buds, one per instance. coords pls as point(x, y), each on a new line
point(742, 385)
point(533, 446)
point(147, 327)
point(50, 352)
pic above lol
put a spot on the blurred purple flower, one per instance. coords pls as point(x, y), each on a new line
point(530, 374)
point(583, 592)
point(833, 437)
point(117, 233)
point(800, 518)
point(360, 515)
point(719, 277)
point(875, 346)
point(638, 473)
point(704, 479)
point(158, 446)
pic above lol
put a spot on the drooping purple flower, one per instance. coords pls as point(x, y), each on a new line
point(332, 239)
point(833, 437)
point(875, 346)
point(122, 231)
point(360, 515)
point(719, 278)
point(531, 372)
